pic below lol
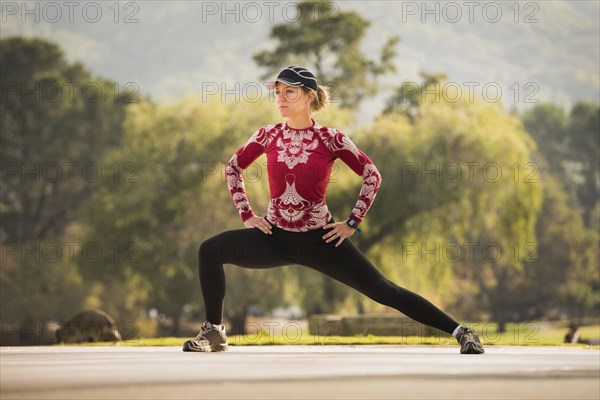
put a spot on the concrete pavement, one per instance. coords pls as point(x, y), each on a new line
point(299, 372)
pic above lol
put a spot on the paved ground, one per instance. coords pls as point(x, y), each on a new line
point(299, 372)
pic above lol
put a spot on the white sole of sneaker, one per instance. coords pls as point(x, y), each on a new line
point(192, 347)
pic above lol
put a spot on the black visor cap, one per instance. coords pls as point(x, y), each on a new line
point(295, 76)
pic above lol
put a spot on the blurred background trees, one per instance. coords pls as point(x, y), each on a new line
point(489, 214)
point(54, 133)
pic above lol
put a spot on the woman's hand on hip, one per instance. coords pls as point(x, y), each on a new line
point(340, 231)
point(260, 223)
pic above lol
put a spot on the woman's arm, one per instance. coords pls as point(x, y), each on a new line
point(344, 149)
point(242, 158)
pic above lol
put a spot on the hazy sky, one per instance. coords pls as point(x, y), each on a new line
point(531, 51)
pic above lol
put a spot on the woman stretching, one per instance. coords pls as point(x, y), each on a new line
point(298, 227)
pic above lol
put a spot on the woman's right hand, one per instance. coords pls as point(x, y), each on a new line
point(260, 223)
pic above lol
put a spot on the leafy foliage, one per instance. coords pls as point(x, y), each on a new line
point(57, 121)
point(457, 177)
point(330, 45)
point(53, 131)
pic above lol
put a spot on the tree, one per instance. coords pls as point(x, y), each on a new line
point(57, 121)
point(584, 140)
point(329, 42)
point(563, 277)
point(410, 95)
point(567, 226)
point(569, 148)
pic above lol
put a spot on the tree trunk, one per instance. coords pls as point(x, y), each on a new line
point(176, 323)
point(238, 324)
point(500, 302)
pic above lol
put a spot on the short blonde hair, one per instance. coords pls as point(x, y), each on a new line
point(321, 100)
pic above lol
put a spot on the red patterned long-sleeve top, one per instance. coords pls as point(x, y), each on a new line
point(299, 164)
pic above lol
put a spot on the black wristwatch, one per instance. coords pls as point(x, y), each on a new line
point(352, 223)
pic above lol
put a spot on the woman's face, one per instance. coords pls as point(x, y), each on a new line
point(292, 101)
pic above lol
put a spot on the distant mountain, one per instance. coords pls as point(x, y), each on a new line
point(544, 50)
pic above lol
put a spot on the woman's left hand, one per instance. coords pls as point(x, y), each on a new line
point(340, 231)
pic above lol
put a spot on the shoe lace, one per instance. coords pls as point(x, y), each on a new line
point(467, 334)
point(204, 329)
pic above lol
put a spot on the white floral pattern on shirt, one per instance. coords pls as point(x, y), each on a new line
point(295, 147)
point(291, 211)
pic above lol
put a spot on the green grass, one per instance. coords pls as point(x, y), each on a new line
point(522, 334)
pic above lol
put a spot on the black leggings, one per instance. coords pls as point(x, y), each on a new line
point(252, 248)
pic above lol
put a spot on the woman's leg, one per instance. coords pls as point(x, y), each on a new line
point(248, 248)
point(349, 265)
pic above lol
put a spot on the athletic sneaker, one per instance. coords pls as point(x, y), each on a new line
point(211, 338)
point(469, 341)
